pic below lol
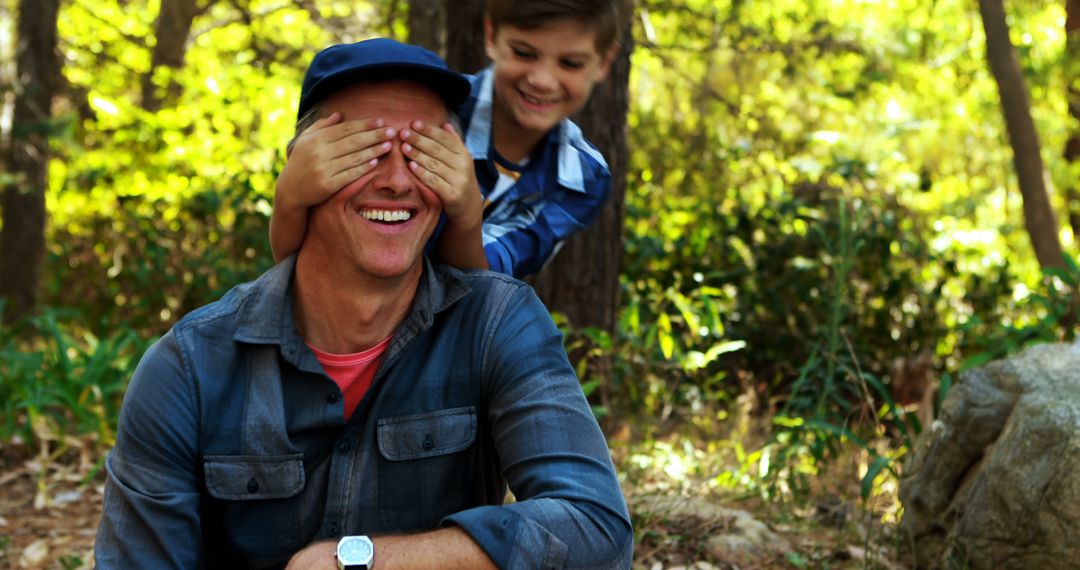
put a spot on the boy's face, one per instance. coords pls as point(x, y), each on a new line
point(544, 74)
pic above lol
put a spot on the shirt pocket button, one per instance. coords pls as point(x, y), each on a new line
point(253, 486)
point(429, 442)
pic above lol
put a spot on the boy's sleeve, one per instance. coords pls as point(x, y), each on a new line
point(570, 512)
point(522, 246)
point(151, 514)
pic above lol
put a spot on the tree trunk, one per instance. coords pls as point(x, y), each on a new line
point(22, 239)
point(583, 279)
point(1072, 76)
point(427, 25)
point(171, 31)
point(1039, 216)
point(465, 35)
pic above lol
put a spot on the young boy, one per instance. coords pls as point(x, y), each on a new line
point(522, 180)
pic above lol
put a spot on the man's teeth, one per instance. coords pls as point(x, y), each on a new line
point(386, 215)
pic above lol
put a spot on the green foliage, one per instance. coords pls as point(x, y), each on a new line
point(815, 189)
point(57, 380)
point(155, 213)
point(834, 179)
point(1049, 314)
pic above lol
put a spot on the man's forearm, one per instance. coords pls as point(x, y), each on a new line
point(448, 547)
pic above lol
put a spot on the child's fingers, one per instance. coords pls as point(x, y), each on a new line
point(442, 187)
point(346, 129)
point(435, 140)
point(349, 167)
point(344, 177)
point(451, 174)
point(366, 138)
point(362, 156)
point(326, 121)
point(450, 164)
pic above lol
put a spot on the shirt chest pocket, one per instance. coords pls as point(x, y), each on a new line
point(425, 467)
point(257, 498)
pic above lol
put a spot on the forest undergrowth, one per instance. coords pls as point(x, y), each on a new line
point(50, 501)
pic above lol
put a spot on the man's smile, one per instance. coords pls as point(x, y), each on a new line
point(386, 216)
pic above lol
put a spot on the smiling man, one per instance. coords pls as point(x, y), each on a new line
point(358, 406)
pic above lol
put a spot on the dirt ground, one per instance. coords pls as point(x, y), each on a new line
point(55, 529)
point(60, 535)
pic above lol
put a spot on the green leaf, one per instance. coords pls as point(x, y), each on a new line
point(879, 463)
point(723, 348)
point(977, 360)
point(667, 343)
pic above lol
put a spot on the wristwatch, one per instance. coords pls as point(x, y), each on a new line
point(355, 553)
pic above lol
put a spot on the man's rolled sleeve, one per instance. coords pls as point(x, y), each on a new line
point(151, 514)
point(570, 512)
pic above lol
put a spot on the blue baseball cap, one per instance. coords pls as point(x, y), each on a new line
point(379, 59)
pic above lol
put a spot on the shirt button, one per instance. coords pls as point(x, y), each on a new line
point(253, 486)
point(343, 447)
point(331, 398)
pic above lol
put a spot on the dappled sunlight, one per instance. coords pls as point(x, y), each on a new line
point(822, 228)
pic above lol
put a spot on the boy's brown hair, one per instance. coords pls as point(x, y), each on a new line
point(603, 16)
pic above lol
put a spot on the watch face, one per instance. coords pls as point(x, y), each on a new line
point(354, 550)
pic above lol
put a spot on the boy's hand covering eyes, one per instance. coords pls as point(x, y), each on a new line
point(329, 155)
point(438, 157)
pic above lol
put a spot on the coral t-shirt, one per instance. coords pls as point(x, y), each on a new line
point(353, 373)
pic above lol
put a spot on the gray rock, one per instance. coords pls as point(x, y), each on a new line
point(729, 535)
point(995, 481)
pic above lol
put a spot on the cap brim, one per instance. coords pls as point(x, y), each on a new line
point(450, 86)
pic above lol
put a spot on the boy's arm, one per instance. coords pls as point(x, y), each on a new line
point(461, 244)
point(325, 157)
point(288, 225)
point(439, 159)
point(521, 244)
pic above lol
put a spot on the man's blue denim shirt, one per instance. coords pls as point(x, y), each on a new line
point(232, 450)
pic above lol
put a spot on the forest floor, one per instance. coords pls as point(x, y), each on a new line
point(829, 528)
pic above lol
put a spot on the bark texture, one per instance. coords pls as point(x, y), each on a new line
point(22, 239)
point(465, 35)
point(427, 25)
point(1039, 218)
point(171, 32)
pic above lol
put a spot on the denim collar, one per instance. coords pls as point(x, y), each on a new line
point(271, 294)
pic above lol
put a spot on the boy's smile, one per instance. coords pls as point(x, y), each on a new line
point(542, 75)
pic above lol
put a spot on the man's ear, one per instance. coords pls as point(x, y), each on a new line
point(489, 38)
point(606, 60)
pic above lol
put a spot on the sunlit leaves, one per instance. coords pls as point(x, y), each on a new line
point(153, 213)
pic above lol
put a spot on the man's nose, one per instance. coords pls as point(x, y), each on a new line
point(394, 175)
